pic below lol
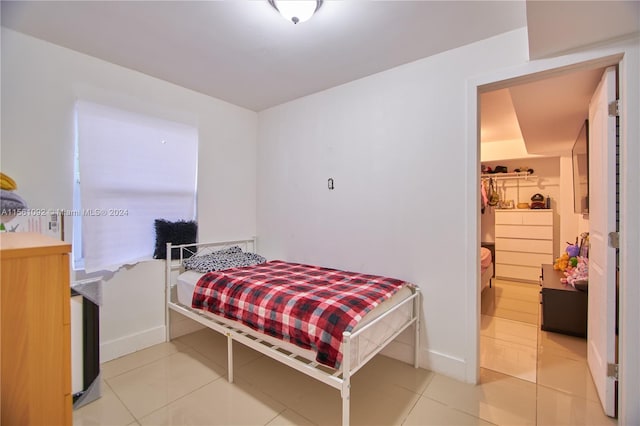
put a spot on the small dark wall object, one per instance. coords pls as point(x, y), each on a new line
point(330, 184)
point(180, 232)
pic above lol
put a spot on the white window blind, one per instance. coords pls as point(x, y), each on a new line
point(131, 170)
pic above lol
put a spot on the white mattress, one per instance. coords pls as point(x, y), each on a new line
point(367, 342)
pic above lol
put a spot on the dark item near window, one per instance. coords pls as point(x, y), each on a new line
point(180, 232)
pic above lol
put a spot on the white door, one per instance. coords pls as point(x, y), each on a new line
point(601, 338)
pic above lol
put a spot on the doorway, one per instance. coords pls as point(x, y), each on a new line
point(563, 227)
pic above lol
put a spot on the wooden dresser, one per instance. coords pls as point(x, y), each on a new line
point(36, 354)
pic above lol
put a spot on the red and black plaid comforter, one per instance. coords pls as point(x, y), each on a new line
point(306, 305)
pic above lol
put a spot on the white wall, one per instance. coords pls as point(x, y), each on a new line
point(394, 143)
point(402, 148)
point(40, 82)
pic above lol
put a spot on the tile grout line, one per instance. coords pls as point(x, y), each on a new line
point(144, 364)
point(171, 402)
point(122, 402)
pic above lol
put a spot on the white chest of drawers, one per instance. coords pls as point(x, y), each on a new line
point(524, 241)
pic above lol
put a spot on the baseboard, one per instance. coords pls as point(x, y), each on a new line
point(430, 360)
point(447, 365)
point(134, 342)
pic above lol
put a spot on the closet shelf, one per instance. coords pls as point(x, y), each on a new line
point(510, 175)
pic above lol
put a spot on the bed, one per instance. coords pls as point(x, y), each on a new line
point(332, 360)
point(487, 270)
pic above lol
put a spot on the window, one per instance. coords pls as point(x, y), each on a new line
point(130, 170)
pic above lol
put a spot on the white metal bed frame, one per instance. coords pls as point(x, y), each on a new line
point(339, 379)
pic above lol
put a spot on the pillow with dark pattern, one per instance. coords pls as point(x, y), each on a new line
point(180, 232)
point(233, 257)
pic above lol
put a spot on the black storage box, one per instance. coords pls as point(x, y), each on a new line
point(564, 309)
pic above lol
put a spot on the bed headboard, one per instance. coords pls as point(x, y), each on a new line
point(196, 249)
point(173, 266)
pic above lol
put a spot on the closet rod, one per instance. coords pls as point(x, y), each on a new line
point(514, 175)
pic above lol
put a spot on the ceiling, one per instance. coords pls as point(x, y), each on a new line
point(244, 53)
point(551, 112)
point(545, 115)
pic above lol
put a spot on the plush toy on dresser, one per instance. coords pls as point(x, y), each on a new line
point(574, 266)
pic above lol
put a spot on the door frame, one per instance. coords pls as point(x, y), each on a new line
point(625, 54)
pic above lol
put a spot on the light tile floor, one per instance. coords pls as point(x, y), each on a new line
point(509, 328)
point(183, 382)
point(512, 300)
point(509, 347)
point(512, 343)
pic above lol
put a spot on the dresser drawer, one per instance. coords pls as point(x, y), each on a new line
point(541, 217)
point(524, 259)
point(525, 273)
point(524, 231)
point(524, 245)
point(524, 217)
point(509, 217)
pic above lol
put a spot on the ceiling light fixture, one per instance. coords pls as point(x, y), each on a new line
point(296, 10)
